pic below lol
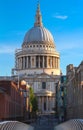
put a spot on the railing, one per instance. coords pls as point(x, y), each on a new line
point(14, 125)
point(23, 51)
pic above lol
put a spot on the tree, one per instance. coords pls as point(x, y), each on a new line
point(33, 102)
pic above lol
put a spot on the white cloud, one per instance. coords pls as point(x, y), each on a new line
point(63, 17)
point(7, 49)
point(67, 46)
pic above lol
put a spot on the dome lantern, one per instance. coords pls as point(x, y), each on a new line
point(38, 17)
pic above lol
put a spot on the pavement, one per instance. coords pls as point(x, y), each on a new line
point(45, 123)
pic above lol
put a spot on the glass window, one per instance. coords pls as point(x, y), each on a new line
point(43, 85)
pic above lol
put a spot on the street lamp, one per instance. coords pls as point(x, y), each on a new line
point(26, 88)
point(27, 98)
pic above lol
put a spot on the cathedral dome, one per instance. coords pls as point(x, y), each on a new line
point(38, 34)
point(38, 54)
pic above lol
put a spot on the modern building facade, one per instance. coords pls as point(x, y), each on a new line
point(39, 63)
point(75, 91)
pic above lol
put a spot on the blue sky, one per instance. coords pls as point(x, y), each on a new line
point(63, 18)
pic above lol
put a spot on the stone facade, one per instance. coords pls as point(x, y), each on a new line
point(75, 91)
point(38, 63)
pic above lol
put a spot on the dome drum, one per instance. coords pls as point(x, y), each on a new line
point(37, 46)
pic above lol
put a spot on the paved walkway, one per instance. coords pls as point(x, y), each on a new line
point(45, 123)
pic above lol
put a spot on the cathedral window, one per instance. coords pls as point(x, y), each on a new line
point(43, 85)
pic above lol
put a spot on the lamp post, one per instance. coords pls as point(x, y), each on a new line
point(28, 93)
point(25, 88)
point(28, 100)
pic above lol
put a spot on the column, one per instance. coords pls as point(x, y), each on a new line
point(18, 63)
point(38, 61)
point(23, 62)
point(31, 61)
point(35, 61)
point(27, 61)
point(50, 102)
point(55, 62)
point(47, 61)
point(42, 104)
point(51, 62)
point(53, 99)
point(58, 63)
point(43, 62)
point(47, 103)
point(39, 103)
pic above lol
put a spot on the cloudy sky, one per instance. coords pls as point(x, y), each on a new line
point(63, 18)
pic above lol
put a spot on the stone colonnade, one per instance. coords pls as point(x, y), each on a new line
point(26, 62)
point(46, 103)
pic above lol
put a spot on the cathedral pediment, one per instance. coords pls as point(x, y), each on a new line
point(44, 75)
point(44, 93)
